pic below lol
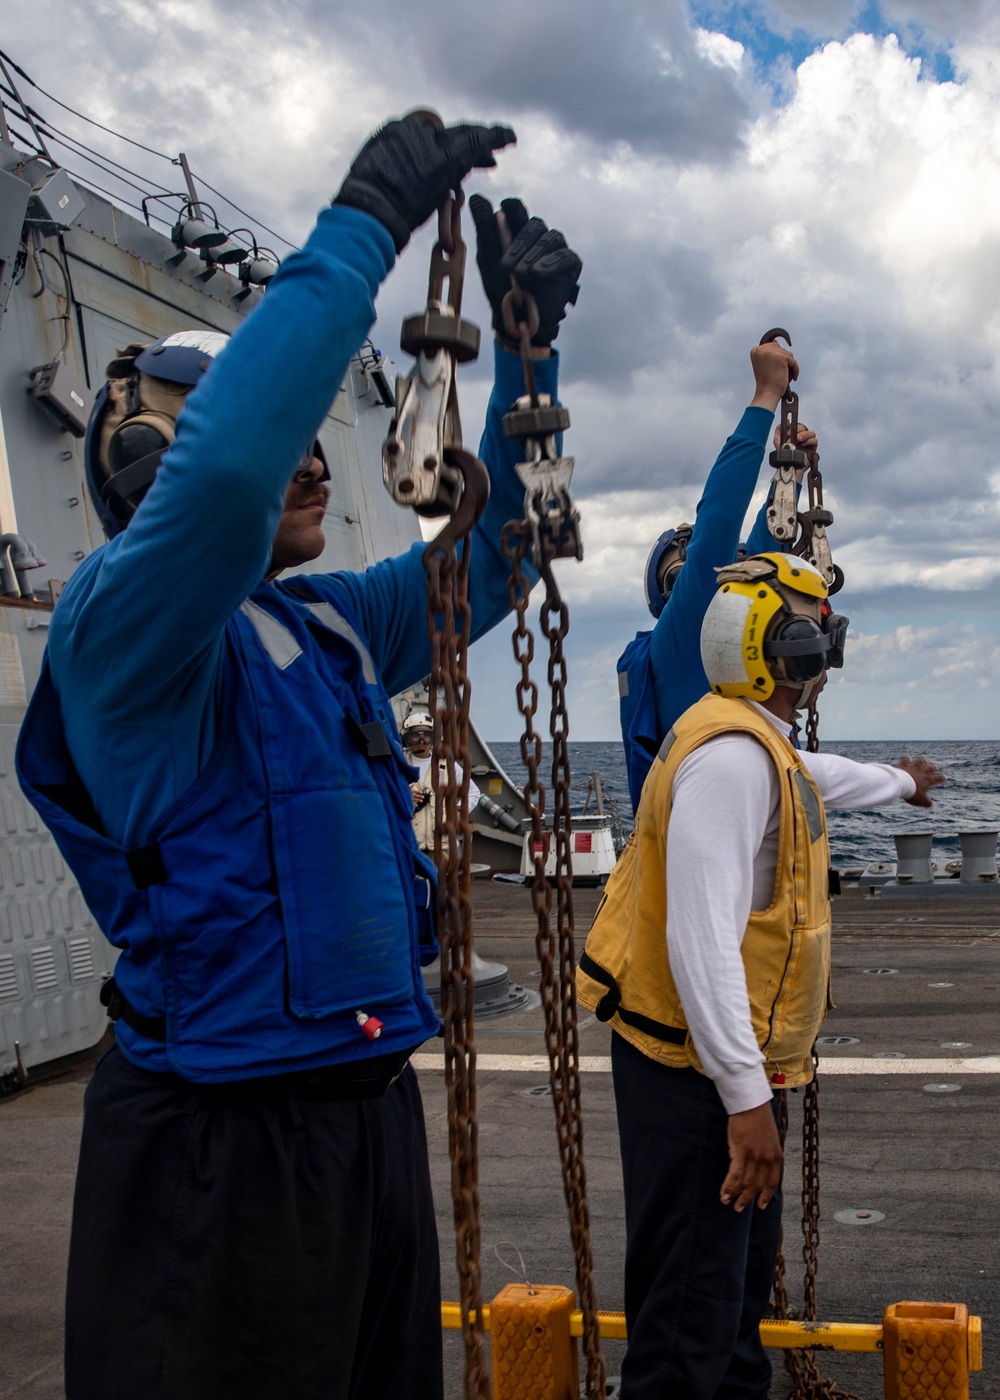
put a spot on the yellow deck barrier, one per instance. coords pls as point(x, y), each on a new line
point(929, 1349)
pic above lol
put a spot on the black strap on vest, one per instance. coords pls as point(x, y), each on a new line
point(145, 865)
point(611, 1004)
point(369, 738)
point(152, 1027)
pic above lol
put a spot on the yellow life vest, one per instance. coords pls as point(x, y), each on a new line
point(624, 973)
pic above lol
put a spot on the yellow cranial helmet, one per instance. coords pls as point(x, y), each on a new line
point(770, 624)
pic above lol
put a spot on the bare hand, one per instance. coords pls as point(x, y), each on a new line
point(755, 1158)
point(773, 369)
point(420, 796)
point(925, 774)
point(807, 440)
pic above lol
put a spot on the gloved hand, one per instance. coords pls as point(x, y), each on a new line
point(537, 257)
point(403, 172)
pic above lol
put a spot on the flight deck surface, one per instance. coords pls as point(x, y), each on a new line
point(922, 1157)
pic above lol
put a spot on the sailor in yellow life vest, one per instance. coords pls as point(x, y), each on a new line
point(710, 957)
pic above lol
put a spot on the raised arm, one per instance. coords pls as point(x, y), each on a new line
point(153, 604)
point(156, 600)
point(675, 655)
point(390, 598)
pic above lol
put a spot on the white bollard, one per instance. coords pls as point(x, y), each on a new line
point(979, 856)
point(913, 857)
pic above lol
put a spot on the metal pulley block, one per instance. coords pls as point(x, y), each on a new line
point(413, 455)
point(419, 454)
point(549, 508)
point(819, 550)
point(782, 501)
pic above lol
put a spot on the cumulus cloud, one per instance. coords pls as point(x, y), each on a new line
point(860, 207)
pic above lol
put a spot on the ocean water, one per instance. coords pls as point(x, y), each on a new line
point(969, 799)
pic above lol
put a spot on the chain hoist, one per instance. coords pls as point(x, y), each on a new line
point(802, 533)
point(415, 465)
point(551, 530)
point(426, 466)
point(799, 532)
point(552, 519)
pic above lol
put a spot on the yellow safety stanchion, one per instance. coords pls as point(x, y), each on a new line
point(926, 1351)
point(534, 1356)
point(929, 1348)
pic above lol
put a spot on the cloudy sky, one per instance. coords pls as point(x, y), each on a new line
point(821, 164)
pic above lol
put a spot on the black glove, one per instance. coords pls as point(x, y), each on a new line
point(405, 170)
point(537, 257)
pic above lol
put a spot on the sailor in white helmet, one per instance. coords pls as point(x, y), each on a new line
point(418, 735)
point(710, 957)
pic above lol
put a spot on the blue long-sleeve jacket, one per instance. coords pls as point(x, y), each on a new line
point(660, 672)
point(136, 642)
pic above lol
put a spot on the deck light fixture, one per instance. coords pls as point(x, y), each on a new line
point(256, 270)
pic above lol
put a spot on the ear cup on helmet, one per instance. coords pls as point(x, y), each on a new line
point(799, 646)
point(132, 441)
point(132, 422)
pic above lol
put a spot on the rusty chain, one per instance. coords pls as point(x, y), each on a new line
point(425, 466)
point(449, 624)
point(550, 530)
point(556, 951)
point(808, 1384)
point(807, 539)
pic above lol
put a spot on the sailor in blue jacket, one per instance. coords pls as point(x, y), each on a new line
point(660, 672)
point(214, 751)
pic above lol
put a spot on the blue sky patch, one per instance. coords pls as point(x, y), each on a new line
point(750, 24)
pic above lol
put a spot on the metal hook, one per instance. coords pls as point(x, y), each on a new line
point(774, 334)
point(472, 502)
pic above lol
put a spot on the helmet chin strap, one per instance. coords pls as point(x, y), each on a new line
point(806, 691)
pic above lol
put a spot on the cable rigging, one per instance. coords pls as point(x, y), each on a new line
point(149, 187)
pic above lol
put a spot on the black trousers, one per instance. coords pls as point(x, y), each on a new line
point(697, 1275)
point(251, 1242)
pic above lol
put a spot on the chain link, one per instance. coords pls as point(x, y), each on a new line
point(449, 623)
point(460, 489)
point(811, 543)
point(556, 951)
point(801, 1365)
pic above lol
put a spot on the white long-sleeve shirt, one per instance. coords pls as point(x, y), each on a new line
point(722, 849)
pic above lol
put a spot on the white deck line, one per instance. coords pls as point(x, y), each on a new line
point(849, 1065)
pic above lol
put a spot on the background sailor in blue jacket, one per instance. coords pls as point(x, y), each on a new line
point(660, 672)
point(215, 753)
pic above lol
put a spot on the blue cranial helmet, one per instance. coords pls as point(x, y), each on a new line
point(132, 422)
point(664, 564)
